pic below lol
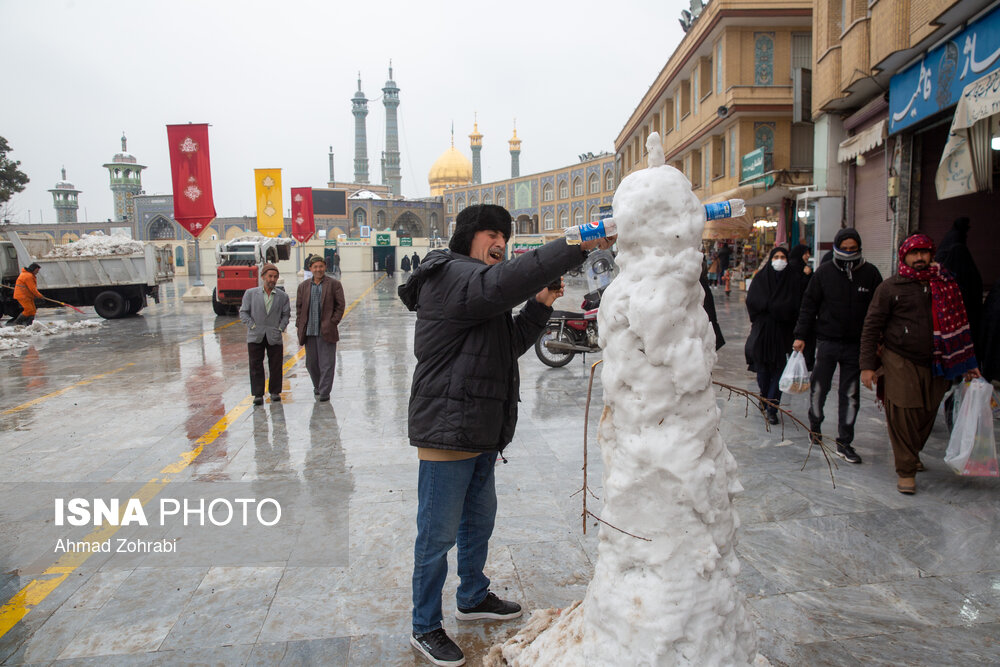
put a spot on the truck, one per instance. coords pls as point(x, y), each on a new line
point(238, 265)
point(115, 285)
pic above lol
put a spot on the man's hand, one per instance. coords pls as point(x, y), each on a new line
point(971, 375)
point(868, 379)
point(799, 345)
point(547, 296)
point(602, 243)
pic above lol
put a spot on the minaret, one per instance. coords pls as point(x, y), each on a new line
point(515, 153)
point(390, 157)
point(331, 166)
point(65, 200)
point(126, 181)
point(359, 107)
point(476, 143)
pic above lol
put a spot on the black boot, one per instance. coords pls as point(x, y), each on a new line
point(17, 321)
point(28, 320)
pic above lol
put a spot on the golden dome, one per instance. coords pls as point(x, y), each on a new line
point(450, 170)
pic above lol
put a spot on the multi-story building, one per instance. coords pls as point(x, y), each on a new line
point(723, 105)
point(888, 78)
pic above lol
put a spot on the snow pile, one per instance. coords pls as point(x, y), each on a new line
point(668, 476)
point(98, 244)
point(15, 337)
point(258, 239)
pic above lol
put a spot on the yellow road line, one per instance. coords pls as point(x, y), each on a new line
point(36, 401)
point(39, 588)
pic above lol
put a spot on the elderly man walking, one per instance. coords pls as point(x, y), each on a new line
point(265, 311)
point(833, 311)
point(319, 307)
point(919, 319)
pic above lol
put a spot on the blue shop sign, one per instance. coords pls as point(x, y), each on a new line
point(936, 82)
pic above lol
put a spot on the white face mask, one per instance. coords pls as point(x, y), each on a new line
point(779, 264)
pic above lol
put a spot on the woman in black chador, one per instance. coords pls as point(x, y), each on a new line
point(773, 304)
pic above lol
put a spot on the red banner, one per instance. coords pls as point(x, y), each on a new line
point(303, 223)
point(191, 170)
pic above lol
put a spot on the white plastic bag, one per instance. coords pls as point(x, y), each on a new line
point(795, 377)
point(972, 449)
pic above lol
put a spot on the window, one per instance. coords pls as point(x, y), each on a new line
point(694, 89)
point(668, 115)
point(763, 59)
point(595, 184)
point(548, 221)
point(678, 165)
point(802, 146)
point(451, 206)
point(578, 216)
point(718, 156)
point(472, 200)
point(563, 190)
point(594, 214)
point(547, 193)
point(360, 217)
point(732, 152)
point(706, 77)
point(718, 69)
point(696, 169)
point(656, 124)
point(501, 198)
point(801, 50)
point(380, 220)
point(609, 180)
point(564, 218)
point(706, 160)
point(577, 187)
point(487, 199)
point(685, 98)
point(677, 110)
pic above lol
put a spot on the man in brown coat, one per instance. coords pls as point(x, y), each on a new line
point(319, 307)
point(918, 318)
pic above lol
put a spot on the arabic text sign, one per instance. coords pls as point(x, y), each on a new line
point(936, 82)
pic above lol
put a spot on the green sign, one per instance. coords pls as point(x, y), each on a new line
point(382, 239)
point(330, 242)
point(752, 165)
point(405, 240)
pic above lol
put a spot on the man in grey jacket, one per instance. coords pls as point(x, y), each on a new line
point(265, 311)
point(463, 404)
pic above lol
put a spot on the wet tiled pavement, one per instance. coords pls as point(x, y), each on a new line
point(157, 407)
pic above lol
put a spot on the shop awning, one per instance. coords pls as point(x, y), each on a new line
point(966, 164)
point(770, 197)
point(729, 228)
point(862, 142)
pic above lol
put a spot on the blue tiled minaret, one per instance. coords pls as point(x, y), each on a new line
point(476, 143)
point(390, 157)
point(359, 107)
point(515, 154)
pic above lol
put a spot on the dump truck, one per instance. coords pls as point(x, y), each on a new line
point(238, 265)
point(116, 285)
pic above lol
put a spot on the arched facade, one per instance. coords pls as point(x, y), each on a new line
point(160, 229)
point(408, 224)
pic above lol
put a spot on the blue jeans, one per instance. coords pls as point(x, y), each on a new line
point(767, 382)
point(457, 502)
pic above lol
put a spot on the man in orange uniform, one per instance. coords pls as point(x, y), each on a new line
point(25, 292)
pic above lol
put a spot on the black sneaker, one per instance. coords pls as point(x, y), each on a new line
point(847, 453)
point(276, 398)
point(258, 400)
point(491, 607)
point(438, 647)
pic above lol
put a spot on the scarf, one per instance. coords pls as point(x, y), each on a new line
point(953, 352)
point(847, 262)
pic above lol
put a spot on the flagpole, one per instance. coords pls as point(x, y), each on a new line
point(197, 281)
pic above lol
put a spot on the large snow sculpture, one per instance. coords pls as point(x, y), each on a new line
point(667, 473)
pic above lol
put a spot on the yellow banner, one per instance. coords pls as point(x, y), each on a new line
point(270, 221)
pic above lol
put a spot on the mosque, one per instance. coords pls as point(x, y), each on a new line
point(540, 203)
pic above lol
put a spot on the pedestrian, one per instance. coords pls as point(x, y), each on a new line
point(319, 307)
point(833, 314)
point(918, 319)
point(25, 293)
point(335, 263)
point(773, 305)
point(713, 270)
point(389, 264)
point(953, 254)
point(415, 260)
point(989, 336)
point(463, 403)
point(405, 263)
point(725, 254)
point(265, 311)
point(708, 303)
point(798, 259)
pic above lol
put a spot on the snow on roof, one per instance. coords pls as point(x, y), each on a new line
point(364, 194)
point(250, 238)
point(97, 244)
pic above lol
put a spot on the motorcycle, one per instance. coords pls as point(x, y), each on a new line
point(568, 333)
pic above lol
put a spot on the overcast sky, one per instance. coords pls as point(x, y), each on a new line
point(274, 80)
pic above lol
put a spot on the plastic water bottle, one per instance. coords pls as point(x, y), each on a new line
point(590, 231)
point(734, 208)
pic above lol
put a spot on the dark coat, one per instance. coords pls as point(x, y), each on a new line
point(709, 305)
point(954, 255)
point(330, 313)
point(834, 307)
point(900, 317)
point(773, 305)
point(405, 263)
point(465, 387)
point(415, 262)
point(989, 335)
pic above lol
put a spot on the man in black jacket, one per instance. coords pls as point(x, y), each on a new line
point(463, 403)
point(833, 309)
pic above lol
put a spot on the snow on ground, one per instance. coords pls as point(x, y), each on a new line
point(672, 598)
point(97, 244)
point(12, 338)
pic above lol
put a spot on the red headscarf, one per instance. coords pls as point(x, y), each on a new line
point(953, 352)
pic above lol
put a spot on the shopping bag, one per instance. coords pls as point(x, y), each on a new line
point(972, 449)
point(795, 378)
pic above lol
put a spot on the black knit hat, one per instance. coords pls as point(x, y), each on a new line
point(844, 234)
point(472, 219)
